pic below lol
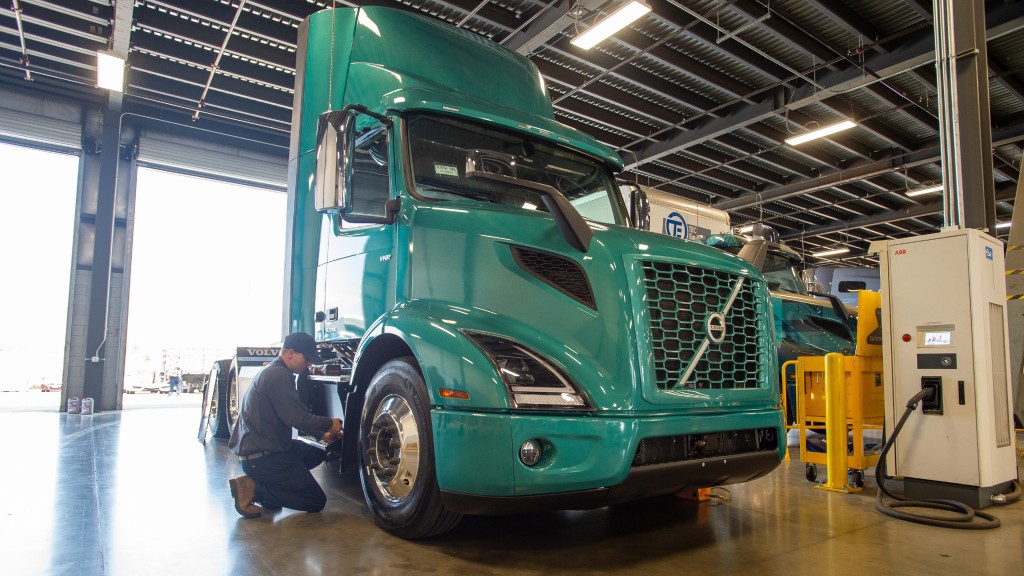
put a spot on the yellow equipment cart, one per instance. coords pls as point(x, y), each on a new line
point(865, 409)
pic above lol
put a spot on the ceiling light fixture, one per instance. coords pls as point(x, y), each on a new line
point(613, 23)
point(109, 71)
point(929, 190)
point(821, 132)
point(832, 252)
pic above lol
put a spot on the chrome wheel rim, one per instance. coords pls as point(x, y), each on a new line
point(233, 399)
point(393, 446)
point(214, 405)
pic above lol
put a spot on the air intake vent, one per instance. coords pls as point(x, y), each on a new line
point(561, 273)
point(710, 445)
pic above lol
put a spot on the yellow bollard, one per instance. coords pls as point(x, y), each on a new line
point(835, 425)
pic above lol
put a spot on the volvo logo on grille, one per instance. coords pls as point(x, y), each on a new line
point(715, 325)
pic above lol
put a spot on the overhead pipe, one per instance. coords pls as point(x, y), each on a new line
point(216, 62)
point(16, 7)
point(472, 13)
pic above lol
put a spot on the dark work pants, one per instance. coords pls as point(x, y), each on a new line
point(283, 479)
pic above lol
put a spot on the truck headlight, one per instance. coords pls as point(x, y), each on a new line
point(531, 381)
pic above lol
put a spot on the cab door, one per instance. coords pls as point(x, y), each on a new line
point(358, 278)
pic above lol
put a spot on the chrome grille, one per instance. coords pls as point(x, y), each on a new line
point(680, 299)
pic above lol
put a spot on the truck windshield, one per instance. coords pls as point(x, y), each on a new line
point(781, 275)
point(441, 146)
point(778, 270)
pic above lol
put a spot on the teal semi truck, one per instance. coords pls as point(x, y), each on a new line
point(496, 335)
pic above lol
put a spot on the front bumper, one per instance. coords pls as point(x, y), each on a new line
point(588, 459)
point(645, 482)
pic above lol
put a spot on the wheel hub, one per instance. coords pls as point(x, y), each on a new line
point(393, 449)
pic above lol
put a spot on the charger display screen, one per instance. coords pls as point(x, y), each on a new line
point(938, 338)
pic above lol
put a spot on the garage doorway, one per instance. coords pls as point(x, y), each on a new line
point(37, 214)
point(207, 271)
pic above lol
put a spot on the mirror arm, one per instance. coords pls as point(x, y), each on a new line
point(573, 227)
point(391, 208)
point(364, 110)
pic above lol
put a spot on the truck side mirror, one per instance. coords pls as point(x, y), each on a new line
point(639, 208)
point(335, 141)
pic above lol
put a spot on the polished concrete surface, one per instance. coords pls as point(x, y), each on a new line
point(134, 493)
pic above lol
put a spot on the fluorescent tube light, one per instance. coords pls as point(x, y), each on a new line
point(746, 229)
point(920, 191)
point(821, 132)
point(1003, 224)
point(832, 252)
point(109, 71)
point(613, 23)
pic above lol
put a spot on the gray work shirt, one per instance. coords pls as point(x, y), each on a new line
point(269, 411)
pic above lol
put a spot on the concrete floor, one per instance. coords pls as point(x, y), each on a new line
point(133, 492)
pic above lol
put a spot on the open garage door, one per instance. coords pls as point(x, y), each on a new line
point(210, 159)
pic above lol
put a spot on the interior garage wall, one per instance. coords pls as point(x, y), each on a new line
point(42, 121)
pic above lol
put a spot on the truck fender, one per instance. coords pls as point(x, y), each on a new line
point(446, 357)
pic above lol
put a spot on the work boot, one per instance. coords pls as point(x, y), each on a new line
point(243, 490)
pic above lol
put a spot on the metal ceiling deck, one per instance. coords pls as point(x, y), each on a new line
point(694, 76)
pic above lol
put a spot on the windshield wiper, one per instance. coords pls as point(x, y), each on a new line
point(458, 192)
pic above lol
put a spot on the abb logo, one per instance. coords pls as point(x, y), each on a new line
point(901, 251)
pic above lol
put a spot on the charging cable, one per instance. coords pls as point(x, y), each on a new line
point(963, 517)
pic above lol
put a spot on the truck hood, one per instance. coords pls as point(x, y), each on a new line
point(640, 322)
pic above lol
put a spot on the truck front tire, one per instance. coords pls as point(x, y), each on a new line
point(396, 455)
point(219, 425)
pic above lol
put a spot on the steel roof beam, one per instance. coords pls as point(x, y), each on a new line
point(767, 155)
point(668, 12)
point(98, 20)
point(843, 140)
point(922, 7)
point(1004, 75)
point(780, 28)
point(917, 50)
point(49, 25)
point(710, 128)
point(237, 55)
point(568, 80)
point(922, 117)
point(740, 164)
point(1004, 192)
point(268, 29)
point(551, 21)
point(49, 57)
point(682, 63)
point(846, 17)
point(634, 75)
point(206, 67)
point(858, 171)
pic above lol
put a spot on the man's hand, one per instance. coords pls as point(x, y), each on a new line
point(334, 433)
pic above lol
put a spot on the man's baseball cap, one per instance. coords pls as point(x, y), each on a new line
point(303, 344)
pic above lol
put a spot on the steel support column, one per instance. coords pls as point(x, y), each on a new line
point(965, 126)
point(103, 238)
point(95, 354)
